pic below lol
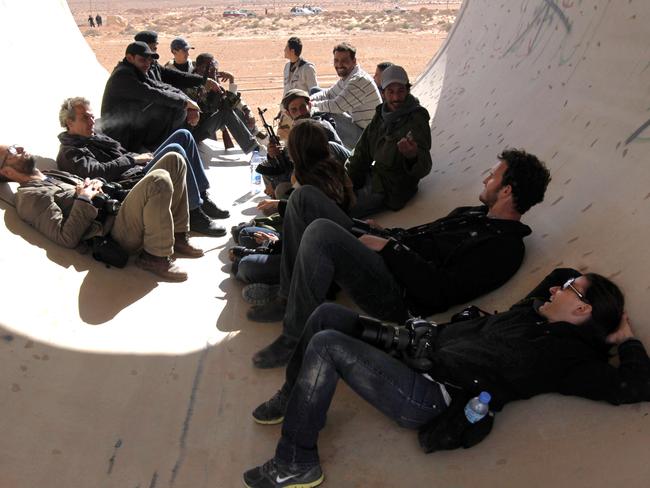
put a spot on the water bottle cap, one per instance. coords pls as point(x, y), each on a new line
point(485, 397)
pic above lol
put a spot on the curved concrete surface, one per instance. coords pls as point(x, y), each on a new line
point(111, 379)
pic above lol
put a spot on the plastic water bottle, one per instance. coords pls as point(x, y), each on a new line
point(477, 407)
point(256, 178)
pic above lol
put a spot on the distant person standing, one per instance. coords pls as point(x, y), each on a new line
point(299, 74)
point(91, 21)
point(98, 20)
point(352, 100)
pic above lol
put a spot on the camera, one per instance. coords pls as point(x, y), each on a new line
point(414, 341)
point(105, 205)
point(361, 227)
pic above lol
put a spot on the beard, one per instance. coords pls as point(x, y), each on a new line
point(26, 166)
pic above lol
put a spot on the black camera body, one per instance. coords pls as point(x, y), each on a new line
point(105, 206)
point(414, 341)
point(361, 227)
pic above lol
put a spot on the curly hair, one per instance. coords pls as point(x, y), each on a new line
point(313, 163)
point(66, 112)
point(527, 176)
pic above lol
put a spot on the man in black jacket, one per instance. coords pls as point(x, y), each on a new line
point(138, 111)
point(422, 270)
point(91, 154)
point(555, 340)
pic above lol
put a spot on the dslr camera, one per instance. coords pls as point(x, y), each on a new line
point(414, 340)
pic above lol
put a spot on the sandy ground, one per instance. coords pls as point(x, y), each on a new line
point(252, 48)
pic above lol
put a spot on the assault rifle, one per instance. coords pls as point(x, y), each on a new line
point(273, 166)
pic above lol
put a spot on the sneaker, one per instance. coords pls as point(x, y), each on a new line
point(183, 246)
point(271, 312)
point(272, 411)
point(275, 354)
point(201, 223)
point(273, 475)
point(211, 210)
point(259, 293)
point(161, 266)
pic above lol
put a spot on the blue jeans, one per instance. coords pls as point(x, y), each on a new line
point(258, 268)
point(210, 123)
point(183, 143)
point(385, 382)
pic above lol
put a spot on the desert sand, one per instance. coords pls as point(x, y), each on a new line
point(252, 48)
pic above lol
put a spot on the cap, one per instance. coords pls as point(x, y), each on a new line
point(142, 49)
point(394, 74)
point(147, 36)
point(180, 43)
point(292, 94)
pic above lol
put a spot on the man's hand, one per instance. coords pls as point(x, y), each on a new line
point(372, 223)
point(213, 85)
point(268, 207)
point(88, 189)
point(193, 117)
point(408, 147)
point(142, 159)
point(191, 105)
point(373, 243)
point(263, 237)
point(622, 333)
point(226, 76)
point(273, 150)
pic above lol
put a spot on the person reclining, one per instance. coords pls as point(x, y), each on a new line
point(555, 340)
point(91, 154)
point(139, 111)
point(352, 100)
point(152, 219)
point(393, 153)
point(421, 270)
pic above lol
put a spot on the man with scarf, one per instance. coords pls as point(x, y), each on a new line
point(397, 141)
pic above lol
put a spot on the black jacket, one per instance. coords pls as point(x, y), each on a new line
point(175, 78)
point(127, 96)
point(455, 259)
point(98, 156)
point(518, 354)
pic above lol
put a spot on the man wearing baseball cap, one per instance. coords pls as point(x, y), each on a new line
point(137, 110)
point(181, 51)
point(398, 141)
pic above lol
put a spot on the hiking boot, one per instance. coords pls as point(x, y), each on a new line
point(183, 246)
point(271, 412)
point(273, 475)
point(271, 312)
point(211, 210)
point(161, 266)
point(275, 354)
point(259, 293)
point(201, 223)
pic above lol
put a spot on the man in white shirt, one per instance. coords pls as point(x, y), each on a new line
point(352, 100)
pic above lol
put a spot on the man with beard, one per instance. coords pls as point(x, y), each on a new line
point(153, 219)
point(352, 100)
point(422, 270)
point(393, 153)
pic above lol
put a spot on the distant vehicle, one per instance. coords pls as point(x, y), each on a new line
point(249, 13)
point(305, 10)
point(234, 13)
point(395, 10)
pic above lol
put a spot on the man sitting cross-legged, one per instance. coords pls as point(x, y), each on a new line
point(152, 219)
point(91, 154)
point(427, 269)
point(555, 340)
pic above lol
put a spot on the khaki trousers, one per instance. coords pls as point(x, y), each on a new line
point(155, 209)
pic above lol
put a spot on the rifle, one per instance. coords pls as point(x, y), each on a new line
point(274, 166)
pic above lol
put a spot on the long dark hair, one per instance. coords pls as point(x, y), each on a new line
point(313, 162)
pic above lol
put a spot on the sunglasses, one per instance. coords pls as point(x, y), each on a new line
point(569, 285)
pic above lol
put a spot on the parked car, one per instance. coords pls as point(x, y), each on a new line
point(234, 13)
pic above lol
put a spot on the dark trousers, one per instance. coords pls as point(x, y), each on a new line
point(334, 352)
point(317, 253)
